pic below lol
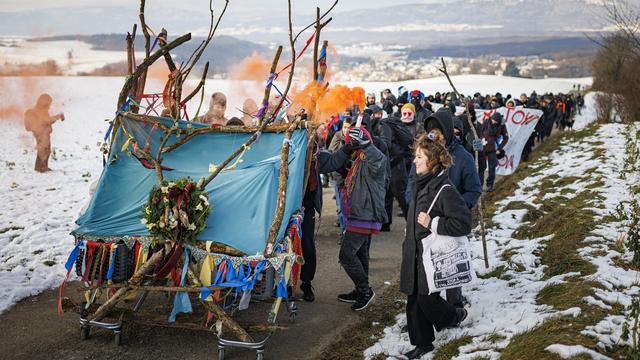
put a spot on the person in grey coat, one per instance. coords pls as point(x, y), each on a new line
point(450, 216)
point(363, 203)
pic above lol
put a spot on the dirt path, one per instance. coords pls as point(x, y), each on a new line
point(33, 330)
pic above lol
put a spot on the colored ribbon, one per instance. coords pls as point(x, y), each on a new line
point(69, 266)
point(181, 302)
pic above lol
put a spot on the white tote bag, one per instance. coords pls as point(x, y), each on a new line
point(446, 259)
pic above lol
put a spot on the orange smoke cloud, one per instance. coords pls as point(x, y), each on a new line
point(323, 103)
point(255, 68)
point(19, 94)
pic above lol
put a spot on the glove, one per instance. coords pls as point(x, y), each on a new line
point(349, 148)
point(359, 137)
point(500, 153)
point(477, 145)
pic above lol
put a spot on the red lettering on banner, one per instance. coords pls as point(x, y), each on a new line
point(521, 117)
point(487, 114)
point(506, 116)
point(507, 162)
point(530, 118)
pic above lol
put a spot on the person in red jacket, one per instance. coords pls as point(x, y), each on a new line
point(495, 137)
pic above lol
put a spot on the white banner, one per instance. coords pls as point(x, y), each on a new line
point(520, 124)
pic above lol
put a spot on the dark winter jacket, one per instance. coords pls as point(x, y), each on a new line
point(367, 198)
point(401, 140)
point(491, 133)
point(454, 219)
point(464, 174)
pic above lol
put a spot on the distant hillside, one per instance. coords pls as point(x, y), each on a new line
point(222, 52)
point(511, 48)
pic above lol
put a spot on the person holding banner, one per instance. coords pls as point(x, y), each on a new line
point(449, 216)
point(495, 135)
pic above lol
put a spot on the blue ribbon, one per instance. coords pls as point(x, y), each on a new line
point(281, 292)
point(106, 136)
point(181, 303)
point(323, 54)
point(112, 265)
point(73, 256)
point(241, 281)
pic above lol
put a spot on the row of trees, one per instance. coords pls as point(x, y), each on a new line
point(617, 63)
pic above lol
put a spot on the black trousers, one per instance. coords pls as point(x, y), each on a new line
point(354, 258)
point(308, 270)
point(424, 313)
point(492, 160)
point(397, 188)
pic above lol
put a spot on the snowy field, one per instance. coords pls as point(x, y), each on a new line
point(500, 308)
point(73, 57)
point(39, 210)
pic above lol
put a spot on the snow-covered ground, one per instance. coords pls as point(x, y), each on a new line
point(72, 57)
point(508, 307)
point(38, 210)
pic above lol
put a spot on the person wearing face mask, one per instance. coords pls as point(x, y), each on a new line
point(399, 150)
point(449, 216)
point(421, 113)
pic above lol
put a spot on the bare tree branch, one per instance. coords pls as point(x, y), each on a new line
point(475, 136)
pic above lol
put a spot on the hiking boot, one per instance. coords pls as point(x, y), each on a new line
point(490, 188)
point(418, 352)
point(461, 314)
point(349, 297)
point(307, 291)
point(385, 228)
point(363, 300)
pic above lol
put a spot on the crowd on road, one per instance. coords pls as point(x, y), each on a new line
point(419, 151)
point(427, 153)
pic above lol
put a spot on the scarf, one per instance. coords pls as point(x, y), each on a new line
point(420, 182)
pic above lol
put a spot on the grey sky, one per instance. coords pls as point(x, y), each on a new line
point(237, 5)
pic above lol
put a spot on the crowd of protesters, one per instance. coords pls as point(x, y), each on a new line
point(410, 147)
point(419, 151)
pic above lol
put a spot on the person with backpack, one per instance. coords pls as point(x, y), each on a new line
point(39, 122)
point(436, 206)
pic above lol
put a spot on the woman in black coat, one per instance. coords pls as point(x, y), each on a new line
point(450, 216)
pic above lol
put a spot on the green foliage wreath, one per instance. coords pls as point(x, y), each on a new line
point(176, 210)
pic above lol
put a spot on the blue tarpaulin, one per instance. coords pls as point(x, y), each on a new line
point(243, 199)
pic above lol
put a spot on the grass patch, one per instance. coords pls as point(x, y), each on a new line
point(567, 191)
point(566, 295)
point(451, 349)
point(499, 272)
point(598, 153)
point(530, 345)
point(495, 337)
point(625, 265)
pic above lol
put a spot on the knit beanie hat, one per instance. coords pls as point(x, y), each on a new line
point(408, 106)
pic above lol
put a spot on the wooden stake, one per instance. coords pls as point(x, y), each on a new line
point(475, 136)
point(316, 43)
point(267, 89)
point(136, 279)
point(227, 321)
point(282, 190)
